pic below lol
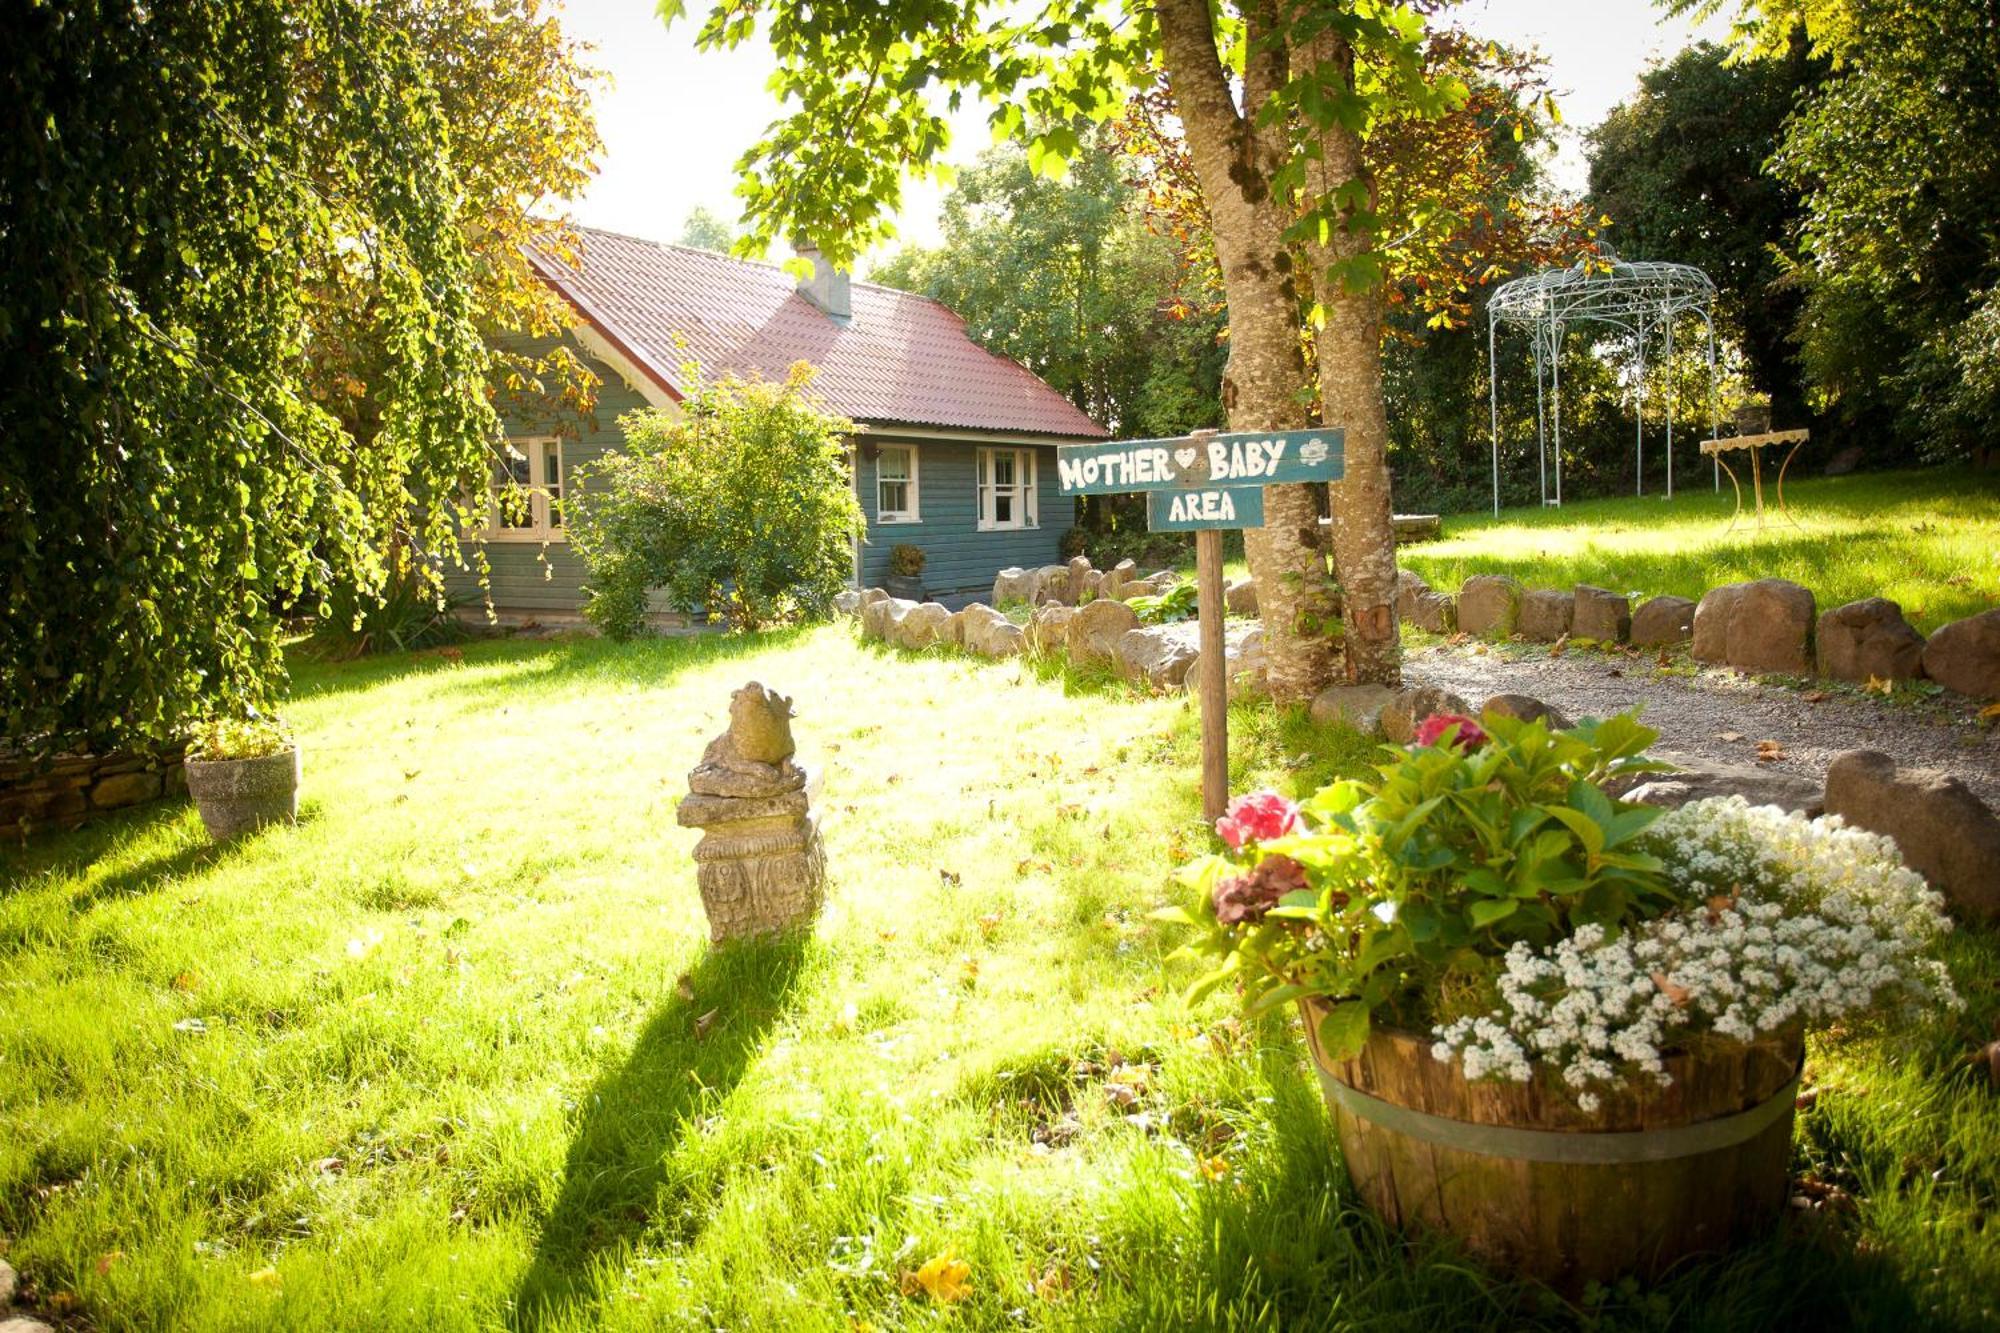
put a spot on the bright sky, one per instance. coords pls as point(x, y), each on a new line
point(674, 120)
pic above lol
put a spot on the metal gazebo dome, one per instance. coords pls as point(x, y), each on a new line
point(1641, 297)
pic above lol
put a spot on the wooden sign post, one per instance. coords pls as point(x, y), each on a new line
point(1205, 483)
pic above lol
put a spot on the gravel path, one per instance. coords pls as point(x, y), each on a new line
point(1694, 714)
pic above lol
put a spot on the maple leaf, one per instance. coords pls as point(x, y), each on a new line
point(1990, 713)
point(945, 1278)
point(1877, 685)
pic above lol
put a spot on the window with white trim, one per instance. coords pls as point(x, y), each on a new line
point(526, 496)
point(1007, 497)
point(896, 484)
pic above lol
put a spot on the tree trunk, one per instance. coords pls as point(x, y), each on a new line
point(1350, 384)
point(1264, 386)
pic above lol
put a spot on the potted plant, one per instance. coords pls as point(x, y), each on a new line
point(1530, 1003)
point(1753, 414)
point(243, 774)
point(906, 568)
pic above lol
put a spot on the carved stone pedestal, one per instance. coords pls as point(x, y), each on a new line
point(759, 863)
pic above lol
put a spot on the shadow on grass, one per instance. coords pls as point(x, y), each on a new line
point(635, 1116)
point(548, 661)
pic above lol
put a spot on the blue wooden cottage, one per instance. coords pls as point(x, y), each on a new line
point(954, 450)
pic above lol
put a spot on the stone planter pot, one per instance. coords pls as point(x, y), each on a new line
point(1534, 1186)
point(909, 587)
point(238, 795)
point(1753, 420)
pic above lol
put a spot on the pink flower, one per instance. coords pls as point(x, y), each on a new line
point(1244, 899)
point(1431, 730)
point(1257, 817)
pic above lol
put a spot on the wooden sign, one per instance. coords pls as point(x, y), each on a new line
point(1206, 507)
point(1205, 459)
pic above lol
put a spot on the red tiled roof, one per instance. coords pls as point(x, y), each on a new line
point(901, 359)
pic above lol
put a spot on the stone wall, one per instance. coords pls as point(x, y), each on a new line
point(73, 788)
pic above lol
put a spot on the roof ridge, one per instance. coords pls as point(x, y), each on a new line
point(753, 263)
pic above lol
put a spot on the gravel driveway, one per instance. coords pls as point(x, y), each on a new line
point(1697, 715)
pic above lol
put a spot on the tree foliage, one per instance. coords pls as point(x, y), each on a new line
point(1064, 277)
point(1679, 168)
point(738, 505)
point(188, 189)
point(703, 230)
point(1897, 157)
point(1275, 97)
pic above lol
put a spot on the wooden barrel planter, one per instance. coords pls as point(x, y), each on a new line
point(1535, 1186)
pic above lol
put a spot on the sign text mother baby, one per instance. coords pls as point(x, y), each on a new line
point(1239, 458)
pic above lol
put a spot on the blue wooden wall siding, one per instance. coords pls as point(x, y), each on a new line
point(958, 557)
point(527, 576)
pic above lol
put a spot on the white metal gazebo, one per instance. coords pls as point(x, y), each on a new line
point(1642, 298)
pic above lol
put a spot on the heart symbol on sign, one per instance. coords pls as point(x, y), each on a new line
point(1186, 457)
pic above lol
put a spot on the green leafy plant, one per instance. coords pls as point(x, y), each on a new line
point(1176, 603)
point(1398, 896)
point(906, 561)
point(409, 615)
point(740, 506)
point(252, 737)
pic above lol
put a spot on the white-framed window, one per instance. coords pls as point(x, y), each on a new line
point(530, 509)
point(1007, 497)
point(896, 484)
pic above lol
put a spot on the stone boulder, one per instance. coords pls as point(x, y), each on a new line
point(1243, 663)
point(870, 596)
point(1661, 621)
point(1545, 615)
point(1756, 627)
point(1410, 587)
point(1094, 631)
point(1696, 779)
point(1240, 597)
point(1048, 632)
point(1965, 655)
point(879, 618)
point(1015, 584)
point(1412, 705)
point(1154, 656)
point(1436, 612)
point(1150, 586)
point(1525, 708)
point(847, 602)
point(1116, 577)
point(1489, 604)
point(1601, 615)
point(1357, 706)
point(923, 625)
point(1946, 834)
point(1770, 628)
point(965, 623)
point(997, 637)
point(1869, 638)
point(1052, 585)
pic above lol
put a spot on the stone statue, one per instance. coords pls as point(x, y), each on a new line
point(759, 863)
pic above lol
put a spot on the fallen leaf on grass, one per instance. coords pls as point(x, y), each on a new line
point(1053, 1284)
point(704, 1023)
point(1560, 646)
point(1990, 713)
point(989, 923)
point(1877, 685)
point(104, 1262)
point(949, 877)
point(1817, 696)
point(1769, 752)
point(684, 987)
point(944, 1278)
point(186, 981)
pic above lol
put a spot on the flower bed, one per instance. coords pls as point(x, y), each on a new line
point(1486, 896)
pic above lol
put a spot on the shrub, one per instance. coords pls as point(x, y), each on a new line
point(1177, 603)
point(250, 737)
point(906, 561)
point(408, 615)
point(740, 507)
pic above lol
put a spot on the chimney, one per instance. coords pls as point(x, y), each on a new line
point(827, 288)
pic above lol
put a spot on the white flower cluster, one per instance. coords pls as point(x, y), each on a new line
point(1793, 923)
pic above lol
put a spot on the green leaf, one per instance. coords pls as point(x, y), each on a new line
point(1343, 1030)
point(1489, 910)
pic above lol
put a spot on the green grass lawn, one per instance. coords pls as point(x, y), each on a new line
point(442, 1055)
point(1929, 540)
